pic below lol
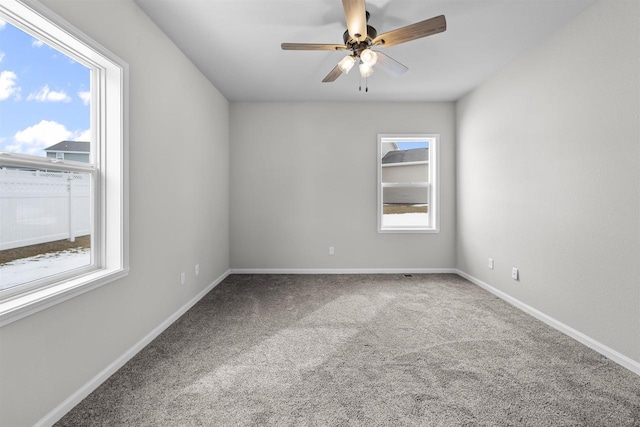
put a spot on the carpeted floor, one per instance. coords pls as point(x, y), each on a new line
point(361, 350)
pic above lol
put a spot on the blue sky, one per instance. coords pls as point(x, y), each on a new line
point(43, 94)
point(412, 145)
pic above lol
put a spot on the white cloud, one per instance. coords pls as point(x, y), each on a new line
point(8, 85)
point(84, 135)
point(36, 43)
point(36, 138)
point(85, 96)
point(2, 24)
point(1, 56)
point(45, 94)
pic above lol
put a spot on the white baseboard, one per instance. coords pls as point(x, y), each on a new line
point(609, 353)
point(58, 412)
point(343, 270)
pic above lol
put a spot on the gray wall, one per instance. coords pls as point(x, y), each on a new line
point(178, 212)
point(303, 178)
point(549, 178)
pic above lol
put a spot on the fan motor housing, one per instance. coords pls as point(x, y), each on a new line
point(371, 34)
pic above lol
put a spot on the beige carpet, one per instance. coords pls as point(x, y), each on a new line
point(361, 350)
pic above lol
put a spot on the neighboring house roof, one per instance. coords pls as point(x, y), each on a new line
point(404, 156)
point(70, 146)
point(385, 147)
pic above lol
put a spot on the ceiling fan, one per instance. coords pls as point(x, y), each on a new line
point(360, 38)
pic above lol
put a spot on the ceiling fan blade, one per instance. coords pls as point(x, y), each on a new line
point(356, 15)
point(390, 65)
point(411, 32)
point(312, 46)
point(333, 75)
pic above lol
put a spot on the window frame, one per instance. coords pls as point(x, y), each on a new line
point(108, 165)
point(433, 225)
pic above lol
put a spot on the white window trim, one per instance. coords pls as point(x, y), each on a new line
point(433, 184)
point(110, 95)
point(387, 165)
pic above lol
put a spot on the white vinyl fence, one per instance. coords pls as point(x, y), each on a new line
point(38, 207)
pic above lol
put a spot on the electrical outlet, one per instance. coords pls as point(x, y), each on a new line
point(197, 268)
point(183, 278)
point(514, 273)
point(331, 250)
point(490, 263)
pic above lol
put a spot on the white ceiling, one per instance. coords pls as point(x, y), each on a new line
point(236, 44)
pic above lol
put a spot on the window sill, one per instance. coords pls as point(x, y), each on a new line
point(408, 230)
point(26, 304)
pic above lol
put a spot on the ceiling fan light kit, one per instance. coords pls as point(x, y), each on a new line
point(346, 63)
point(360, 38)
point(369, 57)
point(365, 70)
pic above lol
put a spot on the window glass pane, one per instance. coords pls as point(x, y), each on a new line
point(46, 224)
point(44, 99)
point(405, 192)
point(45, 111)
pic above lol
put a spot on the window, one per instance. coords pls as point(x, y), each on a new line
point(408, 183)
point(55, 208)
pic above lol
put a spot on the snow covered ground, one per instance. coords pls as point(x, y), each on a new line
point(36, 267)
point(405, 219)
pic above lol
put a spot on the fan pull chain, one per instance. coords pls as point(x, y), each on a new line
point(366, 84)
